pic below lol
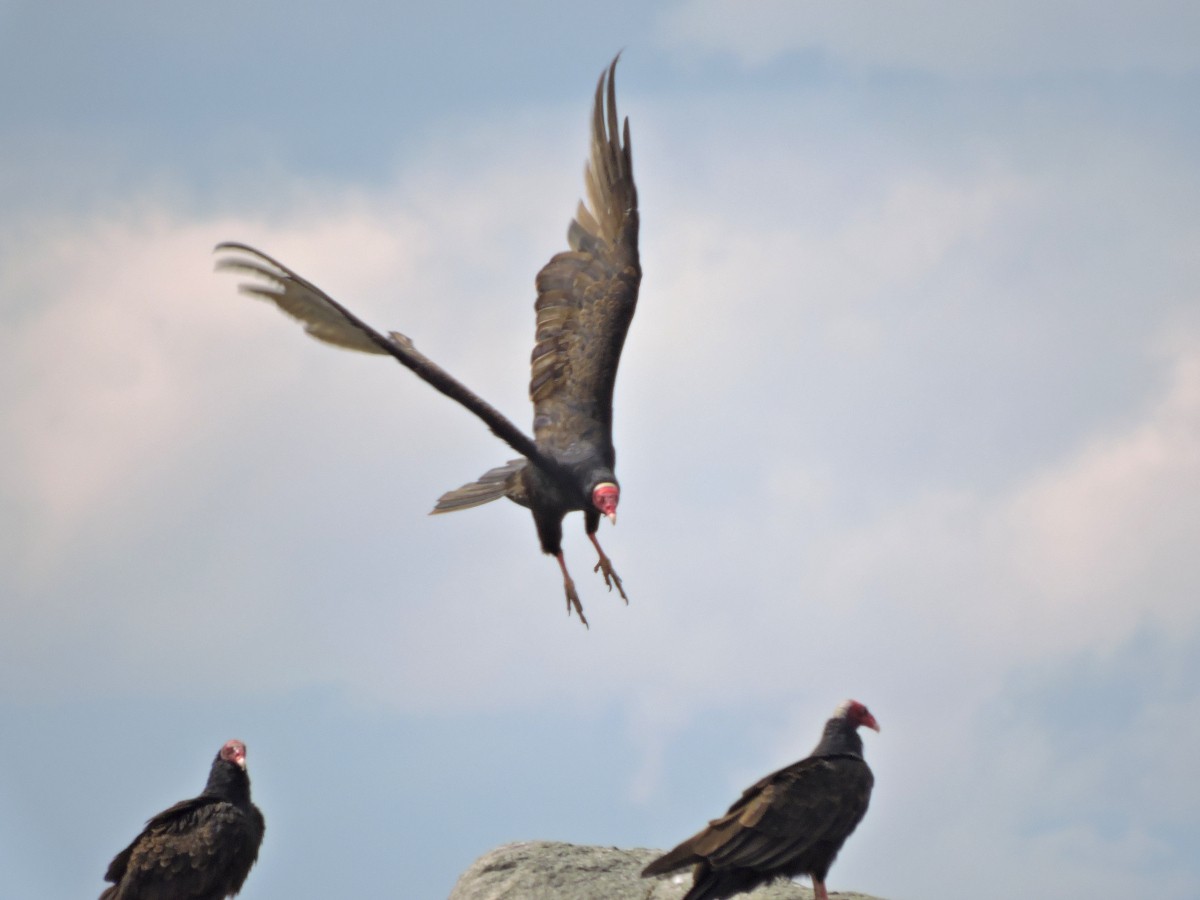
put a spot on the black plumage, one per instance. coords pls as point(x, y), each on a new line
point(199, 849)
point(586, 300)
point(793, 822)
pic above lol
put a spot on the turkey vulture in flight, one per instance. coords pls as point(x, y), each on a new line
point(793, 822)
point(586, 298)
point(199, 849)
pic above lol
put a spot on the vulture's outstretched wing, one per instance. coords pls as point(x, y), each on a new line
point(327, 320)
point(586, 296)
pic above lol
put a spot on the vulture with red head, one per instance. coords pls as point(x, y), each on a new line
point(199, 849)
point(585, 300)
point(791, 823)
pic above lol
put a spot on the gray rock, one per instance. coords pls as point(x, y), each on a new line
point(546, 870)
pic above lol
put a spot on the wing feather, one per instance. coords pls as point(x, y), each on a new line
point(193, 849)
point(587, 295)
point(327, 320)
point(323, 317)
point(776, 822)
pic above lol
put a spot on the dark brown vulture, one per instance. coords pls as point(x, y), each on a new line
point(199, 849)
point(791, 823)
point(586, 298)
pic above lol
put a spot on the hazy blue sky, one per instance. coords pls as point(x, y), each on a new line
point(909, 412)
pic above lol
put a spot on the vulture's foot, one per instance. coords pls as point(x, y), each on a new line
point(573, 603)
point(610, 574)
point(572, 596)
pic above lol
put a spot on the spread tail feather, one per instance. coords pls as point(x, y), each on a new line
point(502, 481)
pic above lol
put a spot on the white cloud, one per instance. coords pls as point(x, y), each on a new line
point(1073, 556)
point(1108, 537)
point(127, 353)
point(958, 39)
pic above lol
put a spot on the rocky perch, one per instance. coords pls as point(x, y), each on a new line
point(546, 870)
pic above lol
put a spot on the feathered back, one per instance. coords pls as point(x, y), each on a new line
point(587, 296)
point(811, 803)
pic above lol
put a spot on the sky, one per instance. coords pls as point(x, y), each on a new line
point(909, 412)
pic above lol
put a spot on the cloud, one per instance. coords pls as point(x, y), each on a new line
point(1076, 555)
point(1019, 39)
point(126, 357)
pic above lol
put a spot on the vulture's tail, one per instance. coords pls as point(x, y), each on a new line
point(502, 481)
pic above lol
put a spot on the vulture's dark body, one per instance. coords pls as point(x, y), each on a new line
point(792, 822)
point(199, 849)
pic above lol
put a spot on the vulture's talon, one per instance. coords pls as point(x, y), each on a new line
point(573, 603)
point(611, 577)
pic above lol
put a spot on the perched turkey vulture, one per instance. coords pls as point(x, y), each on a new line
point(199, 849)
point(793, 822)
point(586, 298)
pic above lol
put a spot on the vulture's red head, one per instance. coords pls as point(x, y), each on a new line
point(234, 752)
point(605, 497)
point(857, 715)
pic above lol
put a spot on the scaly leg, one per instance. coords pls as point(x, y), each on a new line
point(605, 565)
point(569, 586)
point(819, 892)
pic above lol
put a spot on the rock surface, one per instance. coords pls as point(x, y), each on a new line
point(545, 870)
